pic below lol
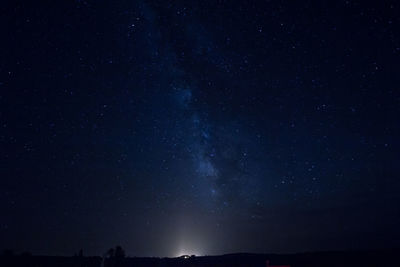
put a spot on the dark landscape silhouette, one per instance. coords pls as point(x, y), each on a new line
point(115, 257)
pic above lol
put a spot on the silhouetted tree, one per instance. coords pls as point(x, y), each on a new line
point(115, 257)
point(80, 254)
point(111, 253)
point(119, 252)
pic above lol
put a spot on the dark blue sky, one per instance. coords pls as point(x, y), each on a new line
point(199, 127)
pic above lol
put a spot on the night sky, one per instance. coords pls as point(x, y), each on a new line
point(199, 127)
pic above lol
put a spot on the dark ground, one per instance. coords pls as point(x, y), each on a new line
point(320, 259)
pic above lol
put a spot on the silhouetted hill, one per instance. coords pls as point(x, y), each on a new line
point(317, 259)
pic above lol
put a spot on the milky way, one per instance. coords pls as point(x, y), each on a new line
point(199, 127)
